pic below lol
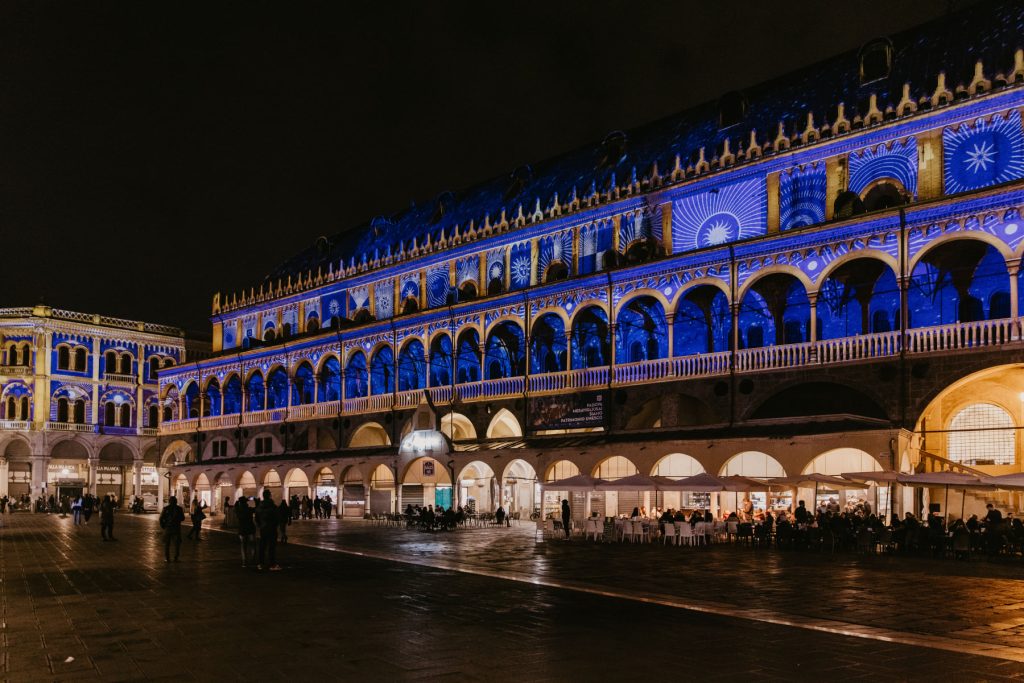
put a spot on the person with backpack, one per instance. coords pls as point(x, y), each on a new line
point(197, 516)
point(171, 518)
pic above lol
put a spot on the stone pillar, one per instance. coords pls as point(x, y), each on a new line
point(5, 477)
point(40, 466)
point(366, 494)
point(95, 417)
point(734, 309)
point(812, 300)
point(1013, 266)
point(91, 481)
point(161, 488)
point(671, 346)
point(137, 478)
point(568, 349)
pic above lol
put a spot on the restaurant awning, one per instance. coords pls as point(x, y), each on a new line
point(635, 482)
point(581, 482)
point(879, 477)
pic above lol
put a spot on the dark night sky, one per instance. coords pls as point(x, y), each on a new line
point(151, 155)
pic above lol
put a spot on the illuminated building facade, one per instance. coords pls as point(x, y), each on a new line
point(79, 407)
point(798, 277)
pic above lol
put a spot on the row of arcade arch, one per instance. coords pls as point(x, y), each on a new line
point(964, 279)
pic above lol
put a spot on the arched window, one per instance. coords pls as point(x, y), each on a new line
point(26, 355)
point(24, 415)
point(286, 330)
point(126, 363)
point(12, 355)
point(10, 414)
point(110, 361)
point(62, 410)
point(63, 358)
point(884, 196)
point(981, 434)
point(109, 413)
point(168, 414)
point(154, 368)
point(313, 323)
point(79, 416)
point(154, 416)
point(876, 60)
point(126, 415)
point(269, 335)
point(81, 359)
point(168, 362)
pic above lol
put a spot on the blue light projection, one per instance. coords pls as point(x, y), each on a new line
point(642, 332)
point(961, 281)
point(303, 385)
point(850, 303)
point(467, 270)
point(702, 323)
point(384, 299)
point(521, 265)
point(774, 311)
point(547, 345)
point(277, 389)
point(495, 266)
point(333, 306)
point(438, 286)
point(412, 366)
point(552, 249)
point(358, 299)
point(356, 377)
point(329, 386)
point(191, 397)
point(410, 287)
point(590, 338)
point(468, 360)
point(506, 351)
point(212, 403)
point(290, 317)
point(897, 161)
point(382, 371)
point(634, 228)
point(721, 215)
point(802, 196)
point(229, 336)
point(595, 240)
point(983, 154)
point(441, 361)
point(233, 395)
point(255, 393)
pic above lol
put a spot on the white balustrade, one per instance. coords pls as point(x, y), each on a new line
point(409, 399)
point(303, 412)
point(15, 424)
point(441, 394)
point(506, 386)
point(118, 377)
point(357, 405)
point(168, 426)
point(326, 409)
point(874, 345)
point(772, 357)
point(971, 335)
point(220, 421)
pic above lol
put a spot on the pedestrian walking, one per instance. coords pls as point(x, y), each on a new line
point(107, 519)
point(327, 504)
point(246, 530)
point(266, 519)
point(566, 516)
point(88, 503)
point(197, 517)
point(170, 521)
point(76, 510)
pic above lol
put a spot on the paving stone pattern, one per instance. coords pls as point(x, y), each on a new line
point(73, 608)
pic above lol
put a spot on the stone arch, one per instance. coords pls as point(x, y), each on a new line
point(802, 399)
point(956, 236)
point(839, 460)
point(505, 354)
point(774, 308)
point(752, 464)
point(963, 280)
point(477, 482)
point(560, 469)
point(120, 452)
point(504, 424)
point(520, 493)
point(860, 296)
point(677, 466)
point(641, 328)
point(614, 467)
point(548, 350)
point(178, 452)
point(295, 478)
point(457, 427)
point(589, 337)
point(369, 434)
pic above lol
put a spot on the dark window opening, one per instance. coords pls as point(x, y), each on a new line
point(63, 358)
point(109, 413)
point(80, 412)
point(62, 410)
point(467, 292)
point(883, 196)
point(154, 416)
point(557, 271)
point(81, 362)
point(410, 305)
point(876, 60)
point(848, 204)
point(495, 287)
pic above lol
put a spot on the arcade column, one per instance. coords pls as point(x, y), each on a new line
point(40, 466)
point(91, 482)
point(4, 477)
point(136, 478)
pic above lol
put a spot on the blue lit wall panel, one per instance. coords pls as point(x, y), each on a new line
point(720, 215)
point(438, 286)
point(384, 299)
point(896, 161)
point(521, 265)
point(983, 153)
point(802, 197)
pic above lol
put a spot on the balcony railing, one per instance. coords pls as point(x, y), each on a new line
point(20, 370)
point(118, 377)
point(69, 427)
point(15, 424)
point(939, 339)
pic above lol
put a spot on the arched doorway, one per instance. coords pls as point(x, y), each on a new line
point(325, 485)
point(369, 434)
point(272, 483)
point(615, 503)
point(296, 483)
point(353, 491)
point(837, 461)
point(247, 485)
point(557, 471)
point(477, 486)
point(182, 490)
point(204, 491)
point(114, 471)
point(520, 490)
point(678, 466)
point(759, 466)
point(457, 427)
point(427, 482)
point(382, 490)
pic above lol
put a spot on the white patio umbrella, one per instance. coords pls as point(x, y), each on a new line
point(949, 480)
point(1008, 482)
point(580, 482)
point(887, 477)
point(702, 483)
point(634, 482)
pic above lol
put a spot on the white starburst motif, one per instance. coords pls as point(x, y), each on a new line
point(495, 271)
point(718, 233)
point(981, 155)
point(333, 307)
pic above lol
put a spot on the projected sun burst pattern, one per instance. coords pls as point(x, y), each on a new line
point(359, 297)
point(802, 197)
point(711, 218)
point(987, 153)
point(636, 227)
point(437, 286)
point(467, 269)
point(520, 265)
point(554, 248)
point(496, 265)
point(410, 287)
point(898, 161)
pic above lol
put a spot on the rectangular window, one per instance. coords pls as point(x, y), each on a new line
point(264, 445)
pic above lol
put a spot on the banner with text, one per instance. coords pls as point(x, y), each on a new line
point(568, 411)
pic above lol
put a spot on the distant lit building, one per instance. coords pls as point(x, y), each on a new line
point(805, 276)
point(79, 408)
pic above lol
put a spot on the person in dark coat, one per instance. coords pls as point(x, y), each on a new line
point(170, 521)
point(107, 519)
point(88, 503)
point(566, 517)
point(246, 530)
point(198, 515)
point(266, 519)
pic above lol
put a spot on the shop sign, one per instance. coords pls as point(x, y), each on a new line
point(428, 468)
point(109, 469)
point(568, 411)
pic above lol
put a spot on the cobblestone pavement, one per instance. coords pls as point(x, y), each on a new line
point(74, 607)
